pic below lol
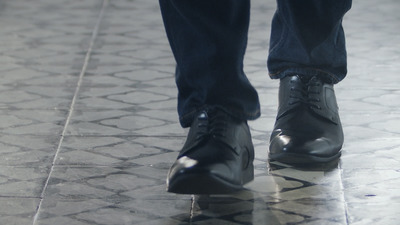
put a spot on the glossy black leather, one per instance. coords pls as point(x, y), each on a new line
point(308, 127)
point(217, 157)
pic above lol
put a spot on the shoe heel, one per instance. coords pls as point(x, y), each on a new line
point(248, 174)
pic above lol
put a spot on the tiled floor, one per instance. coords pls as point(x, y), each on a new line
point(88, 127)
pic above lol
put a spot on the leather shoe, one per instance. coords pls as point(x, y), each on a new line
point(308, 128)
point(217, 157)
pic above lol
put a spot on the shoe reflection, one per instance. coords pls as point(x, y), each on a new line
point(222, 209)
point(280, 194)
point(328, 166)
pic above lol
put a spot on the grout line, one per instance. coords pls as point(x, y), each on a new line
point(191, 214)
point(130, 136)
point(71, 108)
point(19, 197)
point(346, 208)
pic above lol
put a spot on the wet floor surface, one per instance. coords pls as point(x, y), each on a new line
point(88, 124)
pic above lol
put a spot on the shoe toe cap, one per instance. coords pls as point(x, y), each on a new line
point(303, 145)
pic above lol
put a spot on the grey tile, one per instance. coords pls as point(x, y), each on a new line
point(17, 156)
point(29, 142)
point(103, 91)
point(90, 129)
point(100, 103)
point(17, 211)
point(367, 213)
point(123, 122)
point(44, 128)
point(371, 184)
point(96, 182)
point(92, 211)
point(139, 97)
point(62, 221)
point(377, 154)
point(116, 151)
point(22, 181)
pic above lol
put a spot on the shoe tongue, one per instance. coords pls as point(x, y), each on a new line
point(305, 79)
point(203, 115)
point(308, 79)
point(312, 79)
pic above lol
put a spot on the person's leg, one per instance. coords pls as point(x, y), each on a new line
point(208, 39)
point(307, 38)
point(307, 52)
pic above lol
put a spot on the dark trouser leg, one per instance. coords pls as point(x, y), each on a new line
point(307, 52)
point(307, 38)
point(208, 39)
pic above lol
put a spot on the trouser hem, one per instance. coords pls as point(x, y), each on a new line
point(327, 76)
point(187, 118)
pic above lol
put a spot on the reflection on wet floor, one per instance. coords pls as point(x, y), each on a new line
point(279, 198)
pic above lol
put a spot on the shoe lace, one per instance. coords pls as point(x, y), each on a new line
point(211, 125)
point(307, 94)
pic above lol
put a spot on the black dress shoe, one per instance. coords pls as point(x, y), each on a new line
point(217, 157)
point(307, 128)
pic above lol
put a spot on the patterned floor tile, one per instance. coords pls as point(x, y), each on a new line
point(32, 151)
point(17, 211)
point(117, 151)
point(22, 181)
point(13, 155)
point(120, 121)
point(66, 211)
point(96, 182)
point(378, 153)
point(362, 213)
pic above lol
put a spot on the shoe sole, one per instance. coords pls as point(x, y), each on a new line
point(207, 183)
point(293, 158)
